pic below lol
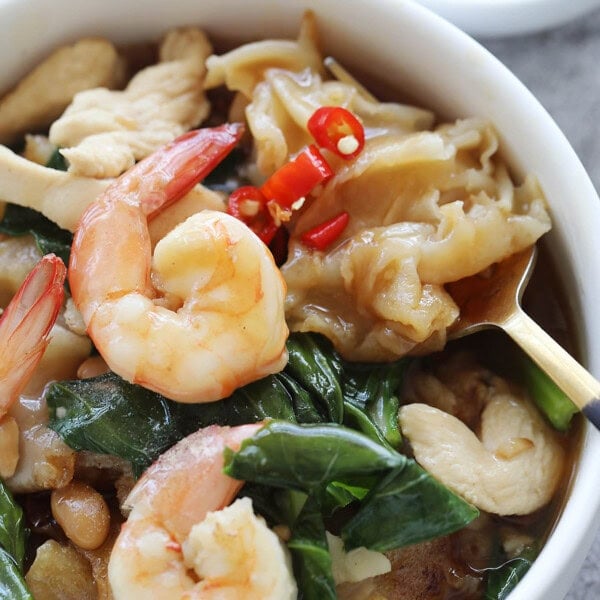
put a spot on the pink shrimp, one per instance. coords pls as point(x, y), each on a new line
point(25, 326)
point(204, 314)
point(182, 540)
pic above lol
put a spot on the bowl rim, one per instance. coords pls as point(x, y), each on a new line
point(504, 18)
point(518, 116)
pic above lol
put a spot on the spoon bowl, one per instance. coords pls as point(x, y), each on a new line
point(493, 299)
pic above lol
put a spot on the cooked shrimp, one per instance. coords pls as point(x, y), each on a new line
point(209, 318)
point(25, 326)
point(180, 542)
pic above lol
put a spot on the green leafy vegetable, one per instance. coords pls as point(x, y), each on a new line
point(502, 580)
point(318, 371)
point(49, 237)
point(549, 398)
point(307, 457)
point(406, 507)
point(12, 584)
point(12, 548)
point(108, 415)
point(305, 408)
point(267, 398)
point(57, 161)
point(368, 392)
point(277, 505)
point(373, 389)
point(12, 528)
point(339, 494)
point(393, 501)
point(310, 554)
point(357, 419)
point(405, 504)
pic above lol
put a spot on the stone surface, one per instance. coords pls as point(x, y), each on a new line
point(562, 69)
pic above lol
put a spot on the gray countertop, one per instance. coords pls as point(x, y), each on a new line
point(562, 69)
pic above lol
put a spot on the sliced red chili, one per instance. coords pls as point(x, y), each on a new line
point(338, 130)
point(249, 205)
point(245, 202)
point(264, 209)
point(324, 234)
point(297, 178)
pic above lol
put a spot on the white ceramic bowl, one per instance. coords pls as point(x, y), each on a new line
point(412, 50)
point(495, 18)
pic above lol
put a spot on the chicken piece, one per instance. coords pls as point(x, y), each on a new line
point(42, 95)
point(60, 196)
point(104, 132)
point(456, 384)
point(513, 468)
point(63, 196)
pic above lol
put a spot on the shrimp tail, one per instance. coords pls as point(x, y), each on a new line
point(26, 323)
point(181, 164)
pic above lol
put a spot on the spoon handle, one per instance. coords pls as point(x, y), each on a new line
point(577, 383)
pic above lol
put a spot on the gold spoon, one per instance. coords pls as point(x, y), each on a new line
point(494, 300)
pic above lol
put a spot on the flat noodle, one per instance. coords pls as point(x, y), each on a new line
point(283, 103)
point(244, 67)
point(285, 82)
point(426, 208)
